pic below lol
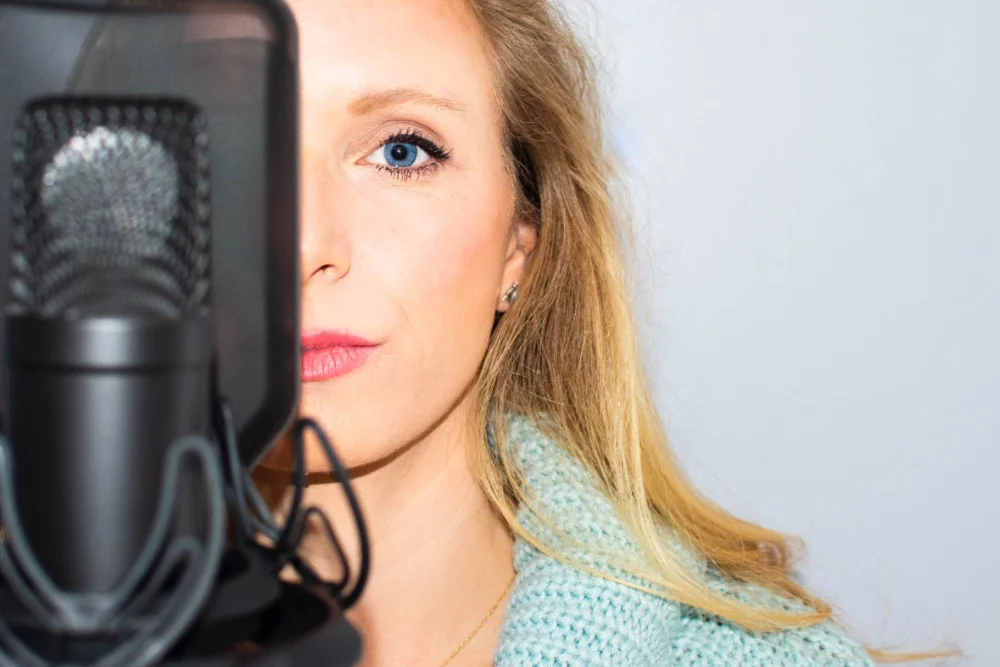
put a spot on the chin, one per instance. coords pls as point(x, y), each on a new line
point(355, 445)
point(355, 455)
point(368, 421)
point(358, 430)
point(280, 456)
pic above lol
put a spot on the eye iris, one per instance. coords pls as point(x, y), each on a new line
point(400, 155)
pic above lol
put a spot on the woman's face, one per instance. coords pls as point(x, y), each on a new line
point(408, 233)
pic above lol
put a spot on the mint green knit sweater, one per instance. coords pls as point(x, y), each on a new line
point(559, 615)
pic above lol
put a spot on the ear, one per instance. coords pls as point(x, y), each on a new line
point(520, 246)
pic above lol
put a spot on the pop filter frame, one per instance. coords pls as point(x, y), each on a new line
point(236, 60)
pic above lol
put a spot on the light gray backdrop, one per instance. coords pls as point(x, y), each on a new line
point(817, 190)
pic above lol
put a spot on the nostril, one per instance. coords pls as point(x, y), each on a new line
point(329, 271)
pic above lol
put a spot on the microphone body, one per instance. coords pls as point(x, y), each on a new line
point(94, 406)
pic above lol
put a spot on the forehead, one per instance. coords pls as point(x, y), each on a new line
point(354, 47)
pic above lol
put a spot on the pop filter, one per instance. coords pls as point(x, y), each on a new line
point(236, 60)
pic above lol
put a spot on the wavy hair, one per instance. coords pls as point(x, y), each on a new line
point(568, 350)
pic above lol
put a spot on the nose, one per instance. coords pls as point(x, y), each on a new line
point(325, 252)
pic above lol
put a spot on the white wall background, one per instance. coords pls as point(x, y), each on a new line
point(817, 188)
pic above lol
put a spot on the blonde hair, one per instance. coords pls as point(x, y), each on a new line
point(568, 349)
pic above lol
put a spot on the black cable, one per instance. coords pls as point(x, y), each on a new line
point(284, 543)
point(347, 599)
point(287, 538)
point(226, 427)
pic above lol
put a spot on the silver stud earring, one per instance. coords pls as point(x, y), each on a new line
point(510, 296)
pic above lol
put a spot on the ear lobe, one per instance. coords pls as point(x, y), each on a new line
point(523, 238)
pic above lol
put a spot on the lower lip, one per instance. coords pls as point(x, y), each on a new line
point(329, 362)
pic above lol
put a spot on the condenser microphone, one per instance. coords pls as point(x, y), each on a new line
point(149, 290)
point(108, 324)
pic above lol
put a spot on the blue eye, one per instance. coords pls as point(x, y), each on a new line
point(400, 155)
point(406, 154)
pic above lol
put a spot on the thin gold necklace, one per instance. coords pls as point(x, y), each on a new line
point(479, 627)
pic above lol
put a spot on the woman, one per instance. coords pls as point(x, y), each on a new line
point(462, 276)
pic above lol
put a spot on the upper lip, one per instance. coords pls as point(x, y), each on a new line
point(318, 339)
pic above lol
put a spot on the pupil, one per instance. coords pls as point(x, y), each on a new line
point(399, 152)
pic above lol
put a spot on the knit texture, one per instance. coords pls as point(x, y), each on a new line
point(559, 615)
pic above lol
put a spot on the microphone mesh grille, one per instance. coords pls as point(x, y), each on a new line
point(111, 209)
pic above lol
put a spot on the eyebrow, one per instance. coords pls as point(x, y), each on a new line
point(376, 101)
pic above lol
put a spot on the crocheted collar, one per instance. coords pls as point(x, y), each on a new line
point(559, 613)
point(569, 512)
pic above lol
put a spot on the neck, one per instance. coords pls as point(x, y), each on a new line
point(440, 555)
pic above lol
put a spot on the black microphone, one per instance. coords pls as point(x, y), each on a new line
point(149, 287)
point(108, 325)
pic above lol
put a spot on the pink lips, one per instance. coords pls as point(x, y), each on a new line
point(330, 354)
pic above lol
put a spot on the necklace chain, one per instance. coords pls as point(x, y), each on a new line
point(479, 627)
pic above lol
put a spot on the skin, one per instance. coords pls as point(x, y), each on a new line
point(418, 265)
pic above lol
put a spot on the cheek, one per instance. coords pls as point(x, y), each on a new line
point(461, 260)
point(440, 257)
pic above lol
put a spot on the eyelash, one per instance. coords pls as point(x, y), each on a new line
point(413, 137)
